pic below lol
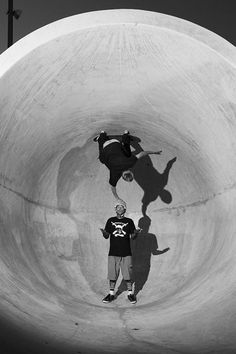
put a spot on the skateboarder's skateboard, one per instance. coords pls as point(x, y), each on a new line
point(119, 137)
point(133, 138)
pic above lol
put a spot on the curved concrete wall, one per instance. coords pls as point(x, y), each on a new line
point(172, 84)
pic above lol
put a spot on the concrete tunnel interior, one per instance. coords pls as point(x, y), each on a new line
point(172, 84)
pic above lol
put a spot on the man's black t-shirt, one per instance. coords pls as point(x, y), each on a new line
point(120, 230)
point(116, 161)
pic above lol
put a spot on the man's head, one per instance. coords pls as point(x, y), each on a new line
point(120, 209)
point(128, 176)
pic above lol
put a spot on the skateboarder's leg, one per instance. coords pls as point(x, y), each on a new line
point(101, 140)
point(103, 137)
point(125, 144)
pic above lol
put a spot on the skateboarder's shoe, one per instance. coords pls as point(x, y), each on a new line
point(127, 133)
point(108, 298)
point(132, 298)
point(97, 136)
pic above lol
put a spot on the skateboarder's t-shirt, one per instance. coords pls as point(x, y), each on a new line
point(120, 231)
point(116, 161)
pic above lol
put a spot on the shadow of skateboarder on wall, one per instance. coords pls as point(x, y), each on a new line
point(78, 164)
point(150, 180)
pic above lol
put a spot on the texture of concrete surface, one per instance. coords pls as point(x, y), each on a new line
point(172, 84)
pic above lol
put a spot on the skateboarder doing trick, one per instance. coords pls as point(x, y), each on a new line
point(118, 158)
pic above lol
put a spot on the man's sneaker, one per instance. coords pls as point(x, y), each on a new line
point(132, 298)
point(108, 298)
point(97, 136)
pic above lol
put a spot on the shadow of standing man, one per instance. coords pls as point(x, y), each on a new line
point(143, 247)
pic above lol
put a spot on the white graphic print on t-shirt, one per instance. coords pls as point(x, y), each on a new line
point(119, 229)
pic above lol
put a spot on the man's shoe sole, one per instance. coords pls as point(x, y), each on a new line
point(132, 301)
point(107, 301)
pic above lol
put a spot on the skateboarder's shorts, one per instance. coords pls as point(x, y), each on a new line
point(116, 263)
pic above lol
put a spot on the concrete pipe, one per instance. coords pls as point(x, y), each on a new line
point(173, 85)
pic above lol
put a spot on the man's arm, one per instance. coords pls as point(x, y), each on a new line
point(145, 153)
point(105, 234)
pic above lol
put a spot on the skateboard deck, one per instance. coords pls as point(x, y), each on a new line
point(133, 138)
point(119, 137)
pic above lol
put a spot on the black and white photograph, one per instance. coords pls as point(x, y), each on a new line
point(117, 177)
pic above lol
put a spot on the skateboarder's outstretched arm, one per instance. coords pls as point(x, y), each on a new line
point(114, 192)
point(145, 153)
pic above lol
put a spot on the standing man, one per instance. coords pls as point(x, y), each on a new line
point(120, 229)
point(118, 158)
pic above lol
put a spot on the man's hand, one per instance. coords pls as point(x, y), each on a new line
point(105, 233)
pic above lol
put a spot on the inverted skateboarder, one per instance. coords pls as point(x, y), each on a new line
point(120, 229)
point(118, 158)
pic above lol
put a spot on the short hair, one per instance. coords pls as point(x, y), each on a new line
point(128, 176)
point(120, 204)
